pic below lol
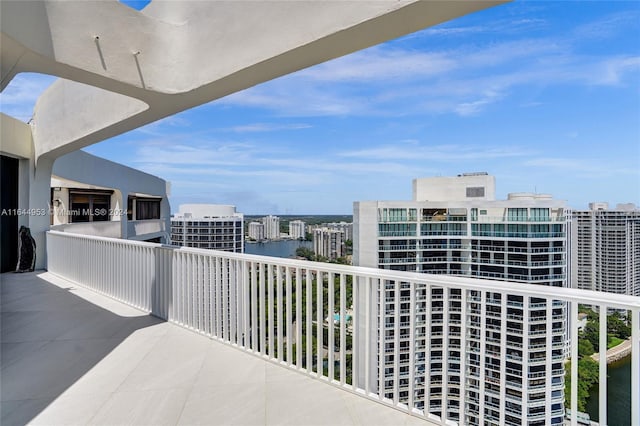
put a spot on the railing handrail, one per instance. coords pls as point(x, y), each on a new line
point(582, 296)
point(220, 294)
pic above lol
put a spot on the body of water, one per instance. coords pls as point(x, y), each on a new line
point(618, 394)
point(283, 248)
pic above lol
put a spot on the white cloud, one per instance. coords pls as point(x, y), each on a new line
point(439, 153)
point(585, 168)
point(463, 81)
point(19, 98)
point(380, 64)
point(268, 127)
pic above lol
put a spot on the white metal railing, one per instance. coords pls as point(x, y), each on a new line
point(277, 309)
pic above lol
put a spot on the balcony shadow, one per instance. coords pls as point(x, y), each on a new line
point(51, 337)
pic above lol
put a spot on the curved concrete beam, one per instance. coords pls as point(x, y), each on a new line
point(176, 55)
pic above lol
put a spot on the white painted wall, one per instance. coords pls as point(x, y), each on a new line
point(206, 210)
point(443, 188)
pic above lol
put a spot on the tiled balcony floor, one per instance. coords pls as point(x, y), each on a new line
point(71, 356)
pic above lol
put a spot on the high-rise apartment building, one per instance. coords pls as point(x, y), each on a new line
point(329, 243)
point(502, 356)
point(256, 231)
point(271, 227)
point(297, 229)
point(346, 228)
point(605, 253)
point(208, 226)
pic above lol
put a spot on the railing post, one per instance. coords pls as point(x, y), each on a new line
point(574, 363)
point(635, 366)
point(602, 386)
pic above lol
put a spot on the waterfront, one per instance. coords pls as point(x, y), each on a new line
point(618, 394)
point(282, 248)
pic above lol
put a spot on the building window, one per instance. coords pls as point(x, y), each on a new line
point(517, 214)
point(540, 215)
point(89, 206)
point(143, 208)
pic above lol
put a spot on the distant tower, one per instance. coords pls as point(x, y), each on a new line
point(208, 226)
point(509, 362)
point(271, 227)
point(605, 253)
point(329, 243)
point(297, 229)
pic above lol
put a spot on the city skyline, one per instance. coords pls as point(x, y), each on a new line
point(536, 94)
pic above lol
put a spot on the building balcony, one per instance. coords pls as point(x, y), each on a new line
point(72, 356)
point(183, 338)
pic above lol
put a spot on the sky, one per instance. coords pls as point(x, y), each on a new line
point(545, 96)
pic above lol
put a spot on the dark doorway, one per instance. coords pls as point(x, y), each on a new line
point(9, 213)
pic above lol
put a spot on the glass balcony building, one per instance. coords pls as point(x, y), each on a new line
point(511, 355)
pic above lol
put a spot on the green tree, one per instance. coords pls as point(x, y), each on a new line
point(618, 326)
point(591, 334)
point(585, 348)
point(306, 253)
point(587, 377)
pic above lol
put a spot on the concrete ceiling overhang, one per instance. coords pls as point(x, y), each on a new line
point(121, 68)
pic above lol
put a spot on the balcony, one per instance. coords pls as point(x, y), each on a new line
point(71, 355)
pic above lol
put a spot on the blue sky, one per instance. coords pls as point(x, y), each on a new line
point(543, 95)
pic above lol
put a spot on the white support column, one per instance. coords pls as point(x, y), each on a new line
point(357, 346)
point(309, 322)
point(330, 322)
point(602, 371)
point(463, 358)
point(298, 318)
point(270, 320)
point(635, 367)
point(548, 359)
point(367, 351)
point(396, 342)
point(279, 308)
point(289, 300)
point(319, 325)
point(446, 330)
point(254, 307)
point(246, 303)
point(412, 346)
point(483, 358)
point(382, 351)
point(503, 359)
point(262, 313)
point(39, 200)
point(206, 297)
point(574, 363)
point(343, 329)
